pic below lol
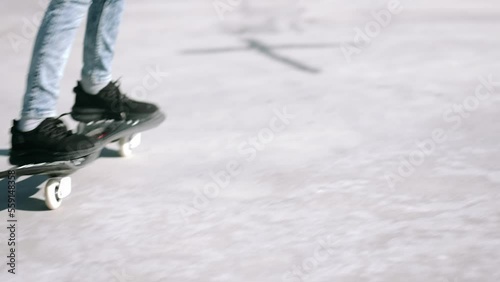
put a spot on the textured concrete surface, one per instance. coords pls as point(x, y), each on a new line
point(282, 158)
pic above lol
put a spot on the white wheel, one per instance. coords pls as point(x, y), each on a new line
point(135, 140)
point(125, 148)
point(128, 143)
point(52, 199)
point(57, 189)
point(64, 187)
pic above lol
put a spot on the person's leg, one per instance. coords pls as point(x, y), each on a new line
point(51, 51)
point(102, 30)
point(97, 97)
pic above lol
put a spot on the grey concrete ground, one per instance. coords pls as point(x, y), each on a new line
point(297, 148)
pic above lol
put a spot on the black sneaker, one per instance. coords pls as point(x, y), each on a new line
point(109, 103)
point(51, 141)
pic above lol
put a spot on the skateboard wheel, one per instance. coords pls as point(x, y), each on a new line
point(135, 140)
point(52, 199)
point(57, 189)
point(64, 187)
point(128, 143)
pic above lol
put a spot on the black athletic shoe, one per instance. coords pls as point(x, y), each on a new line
point(109, 103)
point(51, 141)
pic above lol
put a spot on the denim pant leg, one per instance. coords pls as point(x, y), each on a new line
point(102, 30)
point(52, 47)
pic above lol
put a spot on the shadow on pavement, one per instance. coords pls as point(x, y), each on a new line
point(108, 153)
point(24, 190)
point(270, 51)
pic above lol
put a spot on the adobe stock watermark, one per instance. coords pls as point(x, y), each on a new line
point(12, 225)
point(28, 29)
point(222, 7)
point(248, 150)
point(150, 82)
point(322, 252)
point(454, 116)
point(363, 37)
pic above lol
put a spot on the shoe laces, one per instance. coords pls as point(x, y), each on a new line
point(55, 129)
point(115, 96)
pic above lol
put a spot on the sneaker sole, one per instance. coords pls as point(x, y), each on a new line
point(93, 114)
point(25, 157)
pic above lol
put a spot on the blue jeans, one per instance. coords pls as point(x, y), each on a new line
point(53, 45)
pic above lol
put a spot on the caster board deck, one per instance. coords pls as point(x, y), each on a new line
point(51, 169)
point(127, 132)
point(58, 186)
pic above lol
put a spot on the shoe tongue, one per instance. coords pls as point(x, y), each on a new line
point(109, 87)
point(55, 121)
point(108, 90)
